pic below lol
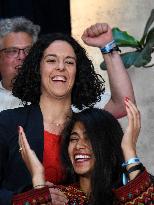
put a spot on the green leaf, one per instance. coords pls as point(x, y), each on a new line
point(129, 58)
point(123, 39)
point(145, 56)
point(150, 37)
point(103, 66)
point(148, 24)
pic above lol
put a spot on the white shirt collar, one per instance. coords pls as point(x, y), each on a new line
point(4, 89)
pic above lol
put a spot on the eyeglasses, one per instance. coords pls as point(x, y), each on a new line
point(13, 52)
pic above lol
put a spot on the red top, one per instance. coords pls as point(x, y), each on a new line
point(51, 158)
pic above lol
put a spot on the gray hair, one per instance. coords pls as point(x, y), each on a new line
point(19, 24)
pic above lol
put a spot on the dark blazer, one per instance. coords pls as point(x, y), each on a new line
point(14, 176)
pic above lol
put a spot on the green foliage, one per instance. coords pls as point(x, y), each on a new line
point(144, 48)
point(123, 39)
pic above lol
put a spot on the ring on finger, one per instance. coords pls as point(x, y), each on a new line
point(20, 149)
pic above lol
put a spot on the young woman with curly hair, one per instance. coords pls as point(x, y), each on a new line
point(56, 74)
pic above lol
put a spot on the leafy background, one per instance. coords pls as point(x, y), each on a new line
point(144, 47)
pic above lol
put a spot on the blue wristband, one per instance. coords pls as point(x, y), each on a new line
point(131, 161)
point(108, 47)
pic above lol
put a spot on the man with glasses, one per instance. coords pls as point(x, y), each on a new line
point(16, 38)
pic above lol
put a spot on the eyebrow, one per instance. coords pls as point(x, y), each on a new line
point(74, 133)
point(54, 55)
point(16, 47)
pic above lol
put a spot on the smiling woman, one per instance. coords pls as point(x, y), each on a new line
point(55, 74)
point(58, 69)
point(80, 151)
point(59, 55)
point(93, 149)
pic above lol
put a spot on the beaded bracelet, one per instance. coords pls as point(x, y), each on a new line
point(110, 47)
point(39, 185)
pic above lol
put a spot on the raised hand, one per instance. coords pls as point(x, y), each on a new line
point(36, 170)
point(97, 35)
point(132, 131)
point(33, 164)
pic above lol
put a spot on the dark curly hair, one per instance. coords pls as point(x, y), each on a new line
point(105, 134)
point(88, 85)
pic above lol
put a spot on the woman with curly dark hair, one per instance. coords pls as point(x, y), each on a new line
point(56, 74)
point(86, 88)
point(95, 153)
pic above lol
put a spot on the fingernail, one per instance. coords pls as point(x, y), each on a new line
point(18, 128)
point(126, 99)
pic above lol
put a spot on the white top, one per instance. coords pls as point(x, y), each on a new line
point(7, 100)
point(104, 100)
point(101, 104)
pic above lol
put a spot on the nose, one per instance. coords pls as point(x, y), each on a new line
point(81, 144)
point(21, 55)
point(61, 66)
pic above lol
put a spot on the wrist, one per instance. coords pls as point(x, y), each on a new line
point(109, 47)
point(105, 43)
point(128, 154)
point(39, 186)
point(134, 170)
point(37, 180)
point(133, 160)
point(127, 167)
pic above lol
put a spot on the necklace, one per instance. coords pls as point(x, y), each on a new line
point(54, 126)
point(57, 124)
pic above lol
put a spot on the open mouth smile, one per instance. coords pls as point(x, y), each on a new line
point(59, 78)
point(82, 157)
